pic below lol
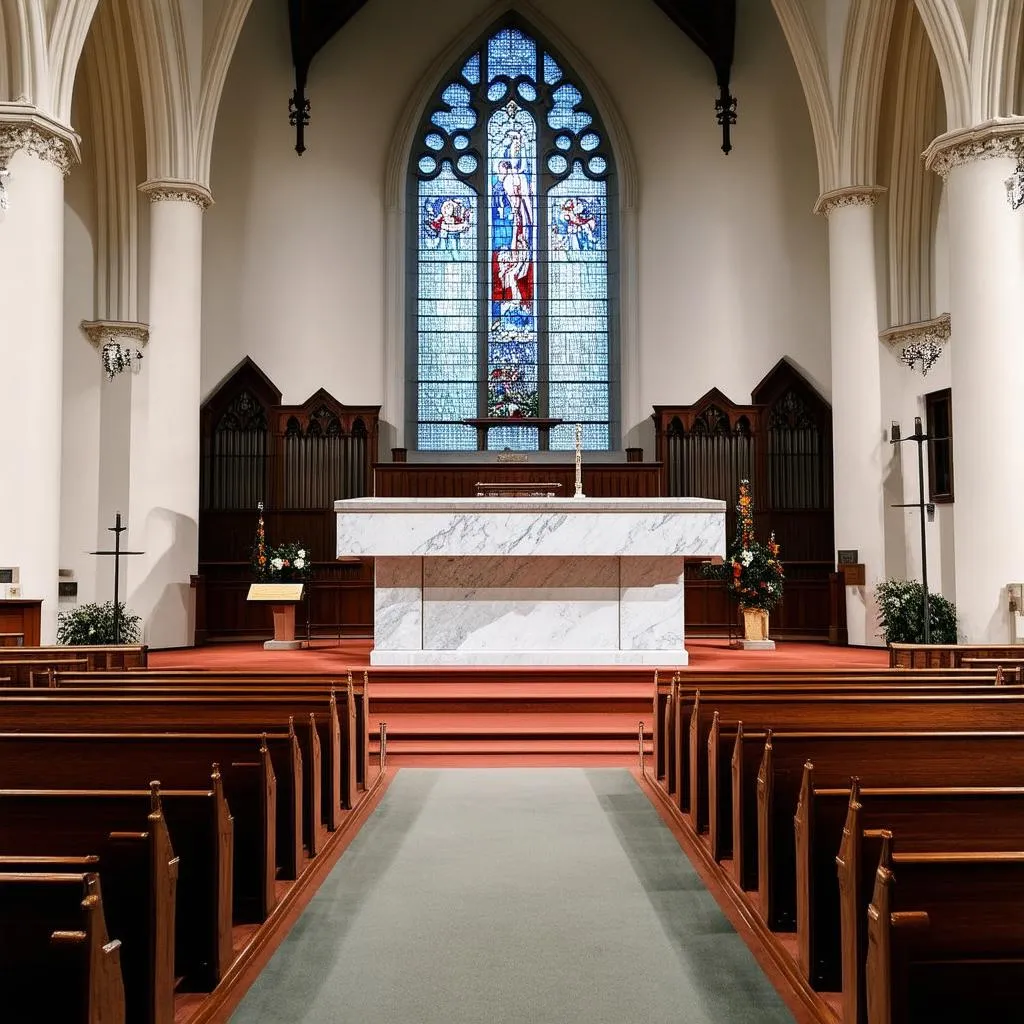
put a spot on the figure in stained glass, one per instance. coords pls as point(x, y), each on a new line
point(576, 225)
point(445, 220)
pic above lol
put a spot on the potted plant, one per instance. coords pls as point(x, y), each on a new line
point(94, 624)
point(752, 573)
point(901, 614)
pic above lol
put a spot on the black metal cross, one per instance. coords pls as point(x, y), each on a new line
point(117, 529)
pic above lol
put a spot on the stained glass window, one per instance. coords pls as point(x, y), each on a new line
point(513, 231)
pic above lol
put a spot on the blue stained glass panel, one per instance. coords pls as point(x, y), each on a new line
point(518, 439)
point(590, 141)
point(427, 164)
point(445, 437)
point(511, 53)
point(434, 141)
point(527, 91)
point(460, 116)
point(595, 437)
point(552, 72)
point(597, 165)
point(496, 91)
point(471, 70)
point(557, 163)
point(564, 116)
point(460, 141)
point(466, 163)
point(563, 142)
point(448, 307)
point(578, 342)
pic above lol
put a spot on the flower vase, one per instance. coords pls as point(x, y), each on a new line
point(755, 630)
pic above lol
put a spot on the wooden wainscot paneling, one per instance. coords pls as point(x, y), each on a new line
point(459, 480)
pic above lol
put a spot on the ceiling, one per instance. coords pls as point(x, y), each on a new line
point(709, 24)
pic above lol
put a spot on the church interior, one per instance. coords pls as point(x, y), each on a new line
point(507, 510)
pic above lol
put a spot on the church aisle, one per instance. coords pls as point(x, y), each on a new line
point(519, 895)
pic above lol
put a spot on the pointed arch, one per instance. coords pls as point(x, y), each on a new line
point(395, 205)
point(70, 27)
point(945, 28)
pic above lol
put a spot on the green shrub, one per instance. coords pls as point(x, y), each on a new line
point(94, 624)
point(901, 614)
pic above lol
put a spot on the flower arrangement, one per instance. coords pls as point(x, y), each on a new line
point(117, 358)
point(901, 614)
point(752, 573)
point(94, 624)
point(288, 563)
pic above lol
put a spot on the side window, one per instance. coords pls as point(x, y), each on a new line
point(939, 407)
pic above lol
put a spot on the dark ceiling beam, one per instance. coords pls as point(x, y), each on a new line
point(711, 26)
point(311, 25)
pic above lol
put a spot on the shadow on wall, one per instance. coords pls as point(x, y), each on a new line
point(164, 596)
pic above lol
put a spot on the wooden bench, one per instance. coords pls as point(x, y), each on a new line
point(666, 690)
point(932, 820)
point(184, 761)
point(57, 962)
point(184, 710)
point(96, 656)
point(353, 710)
point(700, 714)
point(944, 936)
point(778, 784)
point(947, 655)
point(138, 871)
point(75, 822)
point(25, 671)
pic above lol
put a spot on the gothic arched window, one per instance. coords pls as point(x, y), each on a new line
point(513, 299)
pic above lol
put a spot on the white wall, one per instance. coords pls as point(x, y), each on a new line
point(732, 264)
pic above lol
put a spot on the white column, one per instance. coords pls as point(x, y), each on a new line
point(986, 272)
point(164, 508)
point(34, 158)
point(858, 440)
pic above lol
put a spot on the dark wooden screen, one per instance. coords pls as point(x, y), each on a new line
point(297, 459)
point(782, 443)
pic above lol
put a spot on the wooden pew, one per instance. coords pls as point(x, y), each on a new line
point(57, 962)
point(138, 871)
point(70, 822)
point(994, 711)
point(947, 655)
point(353, 710)
point(96, 656)
point(700, 714)
point(945, 940)
point(930, 820)
point(182, 761)
point(735, 786)
point(21, 671)
point(688, 682)
point(186, 711)
point(344, 770)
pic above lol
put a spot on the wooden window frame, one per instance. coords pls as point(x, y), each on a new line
point(931, 400)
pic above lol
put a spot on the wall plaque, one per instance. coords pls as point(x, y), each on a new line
point(848, 557)
point(513, 457)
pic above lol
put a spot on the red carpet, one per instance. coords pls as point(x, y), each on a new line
point(480, 716)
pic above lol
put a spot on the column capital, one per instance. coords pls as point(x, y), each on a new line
point(101, 331)
point(1003, 136)
point(177, 190)
point(849, 195)
point(23, 127)
point(920, 342)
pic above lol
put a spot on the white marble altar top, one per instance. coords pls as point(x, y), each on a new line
point(533, 527)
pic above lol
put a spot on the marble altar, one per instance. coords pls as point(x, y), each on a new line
point(529, 581)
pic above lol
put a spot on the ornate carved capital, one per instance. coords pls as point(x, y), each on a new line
point(99, 332)
point(850, 195)
point(919, 343)
point(24, 128)
point(998, 137)
point(176, 190)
